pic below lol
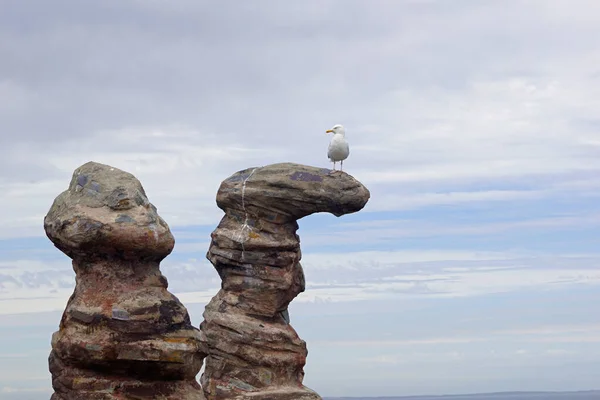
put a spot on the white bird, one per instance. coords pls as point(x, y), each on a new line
point(338, 147)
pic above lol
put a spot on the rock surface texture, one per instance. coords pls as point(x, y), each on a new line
point(253, 351)
point(122, 334)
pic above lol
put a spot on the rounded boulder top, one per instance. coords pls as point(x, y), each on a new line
point(105, 213)
point(292, 191)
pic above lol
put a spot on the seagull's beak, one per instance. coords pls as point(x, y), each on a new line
point(329, 131)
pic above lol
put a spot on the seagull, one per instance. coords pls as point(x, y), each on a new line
point(338, 147)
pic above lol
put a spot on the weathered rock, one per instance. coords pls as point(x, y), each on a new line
point(122, 334)
point(254, 353)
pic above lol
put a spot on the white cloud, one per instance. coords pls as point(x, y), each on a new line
point(9, 389)
point(338, 277)
point(411, 201)
point(392, 230)
point(505, 338)
point(180, 169)
point(406, 140)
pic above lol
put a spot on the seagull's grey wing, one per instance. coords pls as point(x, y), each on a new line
point(346, 149)
point(329, 150)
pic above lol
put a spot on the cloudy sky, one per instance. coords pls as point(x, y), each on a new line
point(475, 124)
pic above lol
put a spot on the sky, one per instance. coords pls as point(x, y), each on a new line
point(475, 124)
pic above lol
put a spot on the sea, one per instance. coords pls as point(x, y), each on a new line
point(583, 395)
point(588, 395)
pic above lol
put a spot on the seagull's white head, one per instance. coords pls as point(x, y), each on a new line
point(337, 130)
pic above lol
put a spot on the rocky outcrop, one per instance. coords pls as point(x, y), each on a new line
point(122, 334)
point(253, 351)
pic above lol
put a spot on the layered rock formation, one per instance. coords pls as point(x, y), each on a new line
point(254, 353)
point(122, 334)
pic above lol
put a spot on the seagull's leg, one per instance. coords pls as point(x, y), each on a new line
point(334, 165)
point(342, 165)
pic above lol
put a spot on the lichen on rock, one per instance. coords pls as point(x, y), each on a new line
point(253, 351)
point(123, 335)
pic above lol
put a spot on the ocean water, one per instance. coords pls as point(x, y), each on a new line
point(587, 395)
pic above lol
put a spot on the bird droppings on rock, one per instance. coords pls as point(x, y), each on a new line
point(253, 351)
point(123, 335)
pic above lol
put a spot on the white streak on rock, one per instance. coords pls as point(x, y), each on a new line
point(241, 236)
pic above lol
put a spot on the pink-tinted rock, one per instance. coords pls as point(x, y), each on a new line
point(123, 335)
point(253, 351)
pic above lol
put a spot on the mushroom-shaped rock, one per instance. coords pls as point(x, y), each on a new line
point(123, 335)
point(253, 351)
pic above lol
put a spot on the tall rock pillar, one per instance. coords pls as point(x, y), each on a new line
point(122, 334)
point(253, 351)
